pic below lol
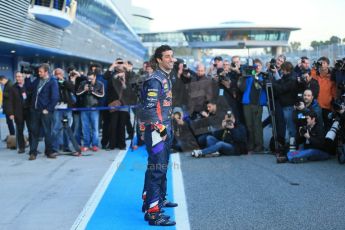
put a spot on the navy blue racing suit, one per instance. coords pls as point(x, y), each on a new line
point(156, 120)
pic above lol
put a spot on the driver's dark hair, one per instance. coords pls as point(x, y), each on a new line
point(158, 55)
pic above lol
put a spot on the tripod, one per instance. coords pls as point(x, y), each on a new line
point(272, 112)
point(66, 128)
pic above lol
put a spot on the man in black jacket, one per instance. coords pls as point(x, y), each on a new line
point(305, 81)
point(21, 106)
point(285, 91)
point(310, 138)
point(6, 103)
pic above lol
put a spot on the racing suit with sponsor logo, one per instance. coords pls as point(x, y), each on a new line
point(156, 123)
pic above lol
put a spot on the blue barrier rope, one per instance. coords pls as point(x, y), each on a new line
point(100, 108)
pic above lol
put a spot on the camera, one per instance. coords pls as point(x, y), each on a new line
point(317, 65)
point(221, 74)
point(301, 123)
point(228, 114)
point(273, 63)
point(185, 70)
point(233, 65)
point(229, 121)
point(303, 130)
point(340, 65)
point(31, 69)
point(299, 100)
point(249, 70)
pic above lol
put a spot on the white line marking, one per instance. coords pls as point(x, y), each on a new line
point(181, 211)
point(90, 207)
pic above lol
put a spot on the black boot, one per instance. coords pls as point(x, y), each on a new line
point(157, 219)
point(168, 204)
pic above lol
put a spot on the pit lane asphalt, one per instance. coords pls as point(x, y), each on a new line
point(253, 192)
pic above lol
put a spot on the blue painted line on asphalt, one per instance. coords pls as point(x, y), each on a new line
point(120, 207)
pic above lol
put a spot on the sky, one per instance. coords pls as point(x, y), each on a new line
point(318, 19)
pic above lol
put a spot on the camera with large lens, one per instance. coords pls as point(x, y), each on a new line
point(233, 65)
point(332, 133)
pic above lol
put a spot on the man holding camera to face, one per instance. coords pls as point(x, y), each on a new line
point(231, 142)
point(302, 71)
point(118, 86)
point(310, 141)
point(90, 92)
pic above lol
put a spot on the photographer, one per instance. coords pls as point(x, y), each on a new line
point(199, 93)
point(76, 78)
point(310, 142)
point(117, 92)
point(231, 142)
point(214, 66)
point(67, 100)
point(90, 92)
point(254, 98)
point(183, 139)
point(275, 66)
point(338, 74)
point(308, 103)
point(305, 81)
point(285, 91)
point(322, 74)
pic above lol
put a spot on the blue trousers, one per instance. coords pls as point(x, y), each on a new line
point(309, 154)
point(214, 145)
point(90, 121)
point(155, 184)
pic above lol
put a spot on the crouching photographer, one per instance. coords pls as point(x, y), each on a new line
point(232, 142)
point(310, 141)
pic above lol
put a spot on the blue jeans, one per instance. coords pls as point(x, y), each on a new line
point(60, 137)
point(214, 145)
point(310, 154)
point(89, 122)
point(288, 121)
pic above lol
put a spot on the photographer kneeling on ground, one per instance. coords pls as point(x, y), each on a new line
point(310, 139)
point(233, 139)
